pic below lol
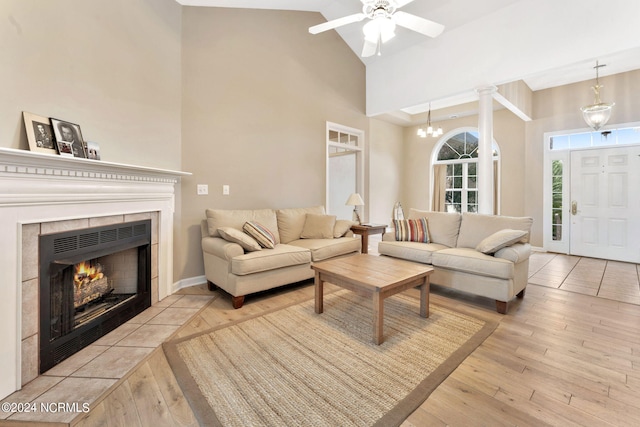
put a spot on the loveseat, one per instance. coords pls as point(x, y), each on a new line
point(248, 251)
point(486, 255)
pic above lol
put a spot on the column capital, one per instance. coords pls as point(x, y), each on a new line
point(486, 90)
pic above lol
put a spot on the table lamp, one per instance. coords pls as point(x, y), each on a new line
point(355, 200)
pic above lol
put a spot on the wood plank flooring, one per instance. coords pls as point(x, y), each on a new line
point(557, 358)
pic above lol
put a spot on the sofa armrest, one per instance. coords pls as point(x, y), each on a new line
point(221, 248)
point(389, 236)
point(515, 253)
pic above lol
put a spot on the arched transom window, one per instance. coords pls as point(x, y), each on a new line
point(455, 172)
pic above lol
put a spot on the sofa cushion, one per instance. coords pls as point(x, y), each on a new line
point(411, 230)
point(269, 259)
point(500, 239)
point(475, 227)
point(291, 221)
point(341, 227)
point(471, 261)
point(322, 249)
point(318, 226)
point(217, 218)
point(262, 234)
point(443, 226)
point(247, 242)
point(412, 251)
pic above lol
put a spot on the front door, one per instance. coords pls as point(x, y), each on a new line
point(605, 203)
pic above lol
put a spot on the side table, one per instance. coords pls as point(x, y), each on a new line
point(367, 230)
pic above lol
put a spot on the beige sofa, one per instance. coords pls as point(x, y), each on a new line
point(302, 236)
point(456, 250)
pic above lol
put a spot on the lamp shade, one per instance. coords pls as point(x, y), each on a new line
point(355, 200)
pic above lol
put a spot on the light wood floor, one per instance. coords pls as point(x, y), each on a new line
point(557, 358)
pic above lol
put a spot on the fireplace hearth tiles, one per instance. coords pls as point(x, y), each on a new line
point(87, 375)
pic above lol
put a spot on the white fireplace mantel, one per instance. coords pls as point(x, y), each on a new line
point(40, 188)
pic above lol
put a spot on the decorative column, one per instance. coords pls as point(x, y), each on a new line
point(485, 150)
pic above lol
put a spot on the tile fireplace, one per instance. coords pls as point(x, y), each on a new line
point(43, 194)
point(91, 281)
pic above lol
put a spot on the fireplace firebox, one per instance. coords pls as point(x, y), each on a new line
point(91, 281)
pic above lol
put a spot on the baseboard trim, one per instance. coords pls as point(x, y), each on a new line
point(186, 283)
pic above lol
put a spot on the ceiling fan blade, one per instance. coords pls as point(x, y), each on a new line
point(400, 3)
point(418, 24)
point(330, 25)
point(369, 48)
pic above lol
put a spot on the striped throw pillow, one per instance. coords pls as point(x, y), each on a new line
point(411, 230)
point(263, 236)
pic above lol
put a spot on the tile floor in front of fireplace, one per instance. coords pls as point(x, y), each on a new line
point(86, 375)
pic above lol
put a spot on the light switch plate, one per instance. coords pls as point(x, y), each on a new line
point(225, 190)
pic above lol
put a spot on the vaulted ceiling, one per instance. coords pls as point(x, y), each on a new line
point(545, 43)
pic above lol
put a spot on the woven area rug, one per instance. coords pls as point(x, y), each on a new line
point(293, 367)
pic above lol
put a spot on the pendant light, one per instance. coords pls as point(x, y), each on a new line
point(422, 133)
point(597, 114)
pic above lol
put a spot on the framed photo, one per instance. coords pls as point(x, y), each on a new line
point(93, 150)
point(68, 138)
point(39, 133)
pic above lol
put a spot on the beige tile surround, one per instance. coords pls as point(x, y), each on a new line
point(30, 288)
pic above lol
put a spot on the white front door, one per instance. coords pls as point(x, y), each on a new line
point(605, 203)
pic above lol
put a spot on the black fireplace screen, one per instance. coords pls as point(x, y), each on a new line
point(91, 281)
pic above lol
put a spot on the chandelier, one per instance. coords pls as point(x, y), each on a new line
point(423, 133)
point(597, 114)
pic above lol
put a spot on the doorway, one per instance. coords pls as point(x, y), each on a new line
point(345, 166)
point(604, 203)
point(590, 206)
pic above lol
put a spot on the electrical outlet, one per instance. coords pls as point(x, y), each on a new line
point(225, 190)
point(202, 189)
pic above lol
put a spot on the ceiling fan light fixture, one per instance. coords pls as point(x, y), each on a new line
point(597, 114)
point(379, 28)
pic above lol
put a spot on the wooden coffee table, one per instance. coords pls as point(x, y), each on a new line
point(373, 276)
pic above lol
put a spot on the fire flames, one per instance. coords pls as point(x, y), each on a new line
point(87, 273)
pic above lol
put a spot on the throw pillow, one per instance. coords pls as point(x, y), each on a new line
point(263, 236)
point(499, 239)
point(341, 227)
point(234, 235)
point(318, 226)
point(411, 230)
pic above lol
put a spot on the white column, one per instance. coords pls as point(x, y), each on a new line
point(485, 150)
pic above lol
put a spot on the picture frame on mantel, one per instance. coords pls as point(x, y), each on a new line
point(93, 150)
point(39, 133)
point(68, 138)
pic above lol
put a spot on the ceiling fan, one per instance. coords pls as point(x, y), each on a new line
point(383, 15)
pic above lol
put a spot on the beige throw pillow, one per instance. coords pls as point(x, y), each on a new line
point(341, 227)
point(291, 221)
point(499, 239)
point(233, 235)
point(318, 226)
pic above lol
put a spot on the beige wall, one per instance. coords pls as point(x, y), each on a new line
point(386, 157)
point(113, 67)
point(257, 92)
